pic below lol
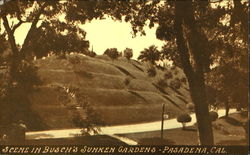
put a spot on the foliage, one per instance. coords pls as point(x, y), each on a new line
point(84, 116)
point(168, 75)
point(26, 76)
point(45, 35)
point(213, 115)
point(211, 96)
point(52, 32)
point(170, 52)
point(92, 120)
point(150, 54)
point(4, 44)
point(184, 118)
point(162, 83)
point(128, 53)
point(183, 80)
point(229, 75)
point(127, 81)
point(151, 71)
point(74, 60)
point(175, 84)
point(112, 53)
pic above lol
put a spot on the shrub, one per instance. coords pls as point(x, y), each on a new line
point(173, 68)
point(176, 72)
point(213, 115)
point(184, 118)
point(128, 53)
point(151, 71)
point(183, 80)
point(27, 76)
point(160, 67)
point(190, 107)
point(162, 83)
point(127, 81)
point(168, 75)
point(112, 53)
point(74, 60)
point(175, 84)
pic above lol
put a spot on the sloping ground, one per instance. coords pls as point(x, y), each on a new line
point(120, 91)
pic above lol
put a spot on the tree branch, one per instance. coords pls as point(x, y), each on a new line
point(32, 28)
point(10, 35)
point(17, 25)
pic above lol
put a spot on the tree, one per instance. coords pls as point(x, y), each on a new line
point(47, 34)
point(112, 53)
point(128, 53)
point(231, 61)
point(194, 70)
point(213, 115)
point(150, 54)
point(184, 118)
point(196, 51)
point(48, 31)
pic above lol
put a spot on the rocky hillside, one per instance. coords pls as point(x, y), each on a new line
point(120, 91)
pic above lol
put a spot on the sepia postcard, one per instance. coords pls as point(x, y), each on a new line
point(124, 77)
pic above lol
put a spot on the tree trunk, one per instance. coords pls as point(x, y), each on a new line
point(227, 108)
point(14, 61)
point(198, 95)
point(193, 68)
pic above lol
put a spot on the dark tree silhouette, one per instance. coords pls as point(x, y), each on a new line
point(112, 53)
point(128, 53)
point(150, 54)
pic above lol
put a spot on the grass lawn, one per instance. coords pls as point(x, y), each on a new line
point(225, 133)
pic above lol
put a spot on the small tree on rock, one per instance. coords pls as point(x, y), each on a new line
point(184, 118)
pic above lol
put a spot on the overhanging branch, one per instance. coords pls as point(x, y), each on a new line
point(17, 25)
point(32, 28)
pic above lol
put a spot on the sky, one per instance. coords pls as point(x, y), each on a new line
point(103, 34)
point(115, 34)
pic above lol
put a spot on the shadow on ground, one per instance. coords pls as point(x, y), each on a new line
point(155, 141)
point(83, 140)
point(233, 142)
